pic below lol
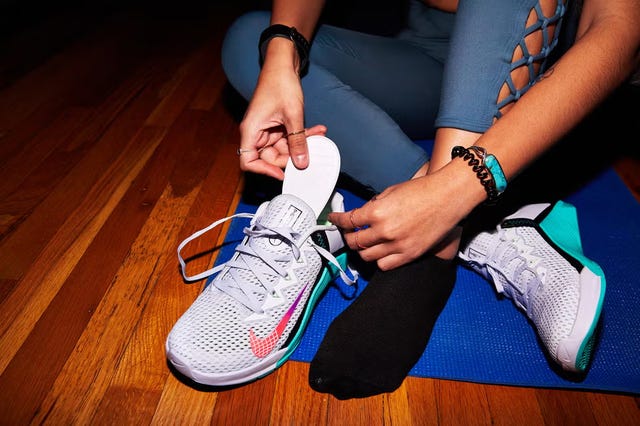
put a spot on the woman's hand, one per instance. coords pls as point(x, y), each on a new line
point(404, 221)
point(276, 110)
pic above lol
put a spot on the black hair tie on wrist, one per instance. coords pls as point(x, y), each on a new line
point(483, 174)
point(279, 30)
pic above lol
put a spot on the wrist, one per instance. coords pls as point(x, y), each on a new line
point(469, 193)
point(281, 54)
point(486, 168)
point(299, 42)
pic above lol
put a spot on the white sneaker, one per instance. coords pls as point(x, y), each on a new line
point(251, 317)
point(535, 258)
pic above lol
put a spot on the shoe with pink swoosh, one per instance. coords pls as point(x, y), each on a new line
point(252, 314)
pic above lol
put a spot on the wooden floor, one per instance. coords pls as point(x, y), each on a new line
point(117, 141)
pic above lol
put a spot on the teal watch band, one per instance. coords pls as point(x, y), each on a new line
point(491, 163)
point(486, 167)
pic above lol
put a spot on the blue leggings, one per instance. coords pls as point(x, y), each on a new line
point(377, 94)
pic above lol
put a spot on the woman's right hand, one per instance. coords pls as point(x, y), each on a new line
point(276, 110)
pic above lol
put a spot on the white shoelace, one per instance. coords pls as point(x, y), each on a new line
point(501, 267)
point(268, 265)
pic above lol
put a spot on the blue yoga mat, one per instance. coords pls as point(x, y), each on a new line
point(482, 337)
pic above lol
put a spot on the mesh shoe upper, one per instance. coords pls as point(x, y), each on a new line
point(560, 295)
point(528, 270)
point(244, 320)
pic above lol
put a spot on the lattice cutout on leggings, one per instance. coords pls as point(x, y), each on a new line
point(532, 56)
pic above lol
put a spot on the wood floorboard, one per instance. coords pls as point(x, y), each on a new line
point(118, 134)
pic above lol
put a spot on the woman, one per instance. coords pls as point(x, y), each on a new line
point(497, 83)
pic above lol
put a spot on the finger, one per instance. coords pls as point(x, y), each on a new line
point(298, 149)
point(360, 217)
point(364, 239)
point(273, 155)
point(385, 254)
point(264, 168)
point(341, 220)
point(355, 241)
point(361, 239)
point(368, 247)
point(250, 161)
point(318, 129)
point(393, 261)
point(255, 153)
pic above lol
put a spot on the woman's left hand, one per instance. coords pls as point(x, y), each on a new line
point(402, 222)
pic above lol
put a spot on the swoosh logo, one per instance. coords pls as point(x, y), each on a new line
point(262, 347)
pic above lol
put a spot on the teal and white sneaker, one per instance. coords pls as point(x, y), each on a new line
point(535, 258)
point(251, 316)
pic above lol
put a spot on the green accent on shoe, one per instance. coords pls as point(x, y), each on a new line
point(329, 273)
point(561, 226)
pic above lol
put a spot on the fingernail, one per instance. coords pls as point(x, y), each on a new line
point(300, 158)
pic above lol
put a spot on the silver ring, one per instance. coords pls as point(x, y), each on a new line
point(241, 151)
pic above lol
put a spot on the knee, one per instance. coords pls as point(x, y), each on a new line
point(239, 53)
point(240, 43)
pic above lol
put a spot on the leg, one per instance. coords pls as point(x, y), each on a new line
point(363, 87)
point(559, 289)
point(380, 91)
point(521, 36)
point(354, 358)
point(371, 347)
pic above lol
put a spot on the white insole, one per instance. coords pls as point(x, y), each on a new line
point(315, 184)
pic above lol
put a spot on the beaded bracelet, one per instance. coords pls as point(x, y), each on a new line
point(487, 169)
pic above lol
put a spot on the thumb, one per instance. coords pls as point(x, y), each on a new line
point(298, 150)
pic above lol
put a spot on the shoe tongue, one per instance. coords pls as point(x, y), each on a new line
point(283, 211)
point(288, 211)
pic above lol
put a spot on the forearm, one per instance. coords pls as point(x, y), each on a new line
point(605, 54)
point(303, 15)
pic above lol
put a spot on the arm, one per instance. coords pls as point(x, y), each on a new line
point(606, 52)
point(604, 55)
point(277, 105)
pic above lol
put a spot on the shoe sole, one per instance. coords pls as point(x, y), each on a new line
point(574, 352)
point(273, 361)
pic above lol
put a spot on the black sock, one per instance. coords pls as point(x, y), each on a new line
point(371, 347)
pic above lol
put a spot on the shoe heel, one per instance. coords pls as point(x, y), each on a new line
point(561, 226)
